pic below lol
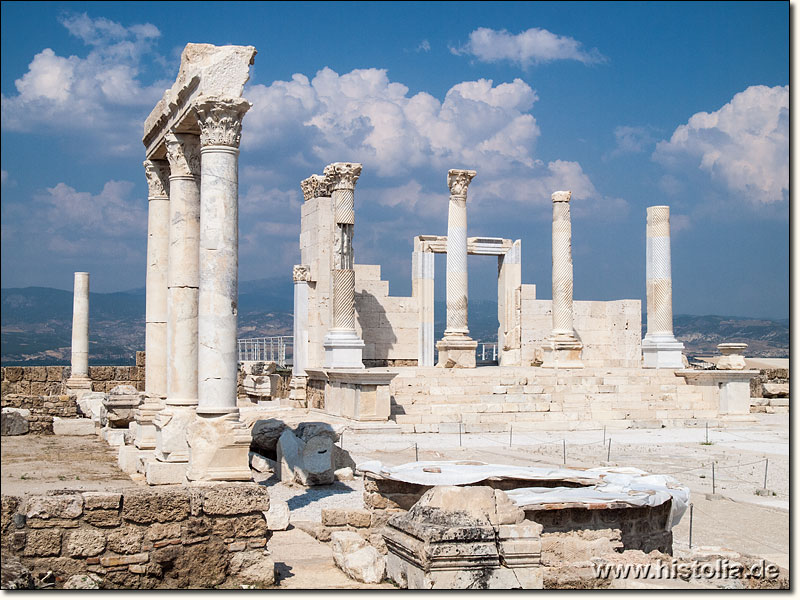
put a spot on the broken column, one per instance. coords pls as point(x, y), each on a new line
point(343, 347)
point(456, 348)
point(563, 348)
point(218, 440)
point(79, 374)
point(183, 153)
point(157, 173)
point(659, 347)
point(297, 385)
point(422, 270)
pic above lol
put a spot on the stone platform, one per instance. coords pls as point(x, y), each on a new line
point(495, 399)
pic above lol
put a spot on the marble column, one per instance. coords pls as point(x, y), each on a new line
point(563, 348)
point(297, 385)
point(343, 347)
point(422, 282)
point(660, 349)
point(157, 174)
point(79, 375)
point(509, 309)
point(219, 442)
point(456, 348)
point(183, 153)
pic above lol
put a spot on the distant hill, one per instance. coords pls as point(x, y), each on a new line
point(37, 324)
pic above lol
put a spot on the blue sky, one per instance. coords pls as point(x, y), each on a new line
point(629, 105)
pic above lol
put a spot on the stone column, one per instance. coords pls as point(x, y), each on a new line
point(343, 347)
point(218, 440)
point(659, 347)
point(183, 153)
point(297, 385)
point(422, 273)
point(456, 348)
point(509, 282)
point(562, 349)
point(79, 375)
point(157, 173)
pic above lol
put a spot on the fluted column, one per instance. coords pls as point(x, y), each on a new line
point(343, 347)
point(183, 153)
point(218, 441)
point(79, 375)
point(301, 275)
point(562, 348)
point(660, 349)
point(457, 349)
point(155, 345)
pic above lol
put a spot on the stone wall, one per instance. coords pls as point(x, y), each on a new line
point(183, 537)
point(389, 325)
point(41, 390)
point(767, 376)
point(611, 332)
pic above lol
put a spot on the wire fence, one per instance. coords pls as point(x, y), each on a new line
point(277, 349)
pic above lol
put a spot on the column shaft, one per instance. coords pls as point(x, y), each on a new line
point(156, 279)
point(422, 268)
point(80, 327)
point(457, 284)
point(300, 350)
point(562, 269)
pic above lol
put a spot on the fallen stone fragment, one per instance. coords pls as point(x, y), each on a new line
point(14, 421)
point(356, 558)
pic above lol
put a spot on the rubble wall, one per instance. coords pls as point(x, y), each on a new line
point(139, 538)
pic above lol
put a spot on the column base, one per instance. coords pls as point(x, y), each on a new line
point(562, 352)
point(219, 449)
point(662, 352)
point(456, 352)
point(78, 386)
point(145, 438)
point(170, 426)
point(343, 349)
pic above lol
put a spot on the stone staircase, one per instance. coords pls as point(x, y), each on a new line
point(494, 399)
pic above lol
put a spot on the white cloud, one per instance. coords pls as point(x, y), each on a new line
point(364, 116)
point(424, 46)
point(744, 144)
point(631, 140)
point(100, 93)
point(532, 46)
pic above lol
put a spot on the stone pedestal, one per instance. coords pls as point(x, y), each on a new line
point(732, 357)
point(660, 349)
point(729, 390)
point(79, 381)
point(359, 395)
point(218, 441)
point(343, 347)
point(456, 348)
point(563, 348)
point(145, 437)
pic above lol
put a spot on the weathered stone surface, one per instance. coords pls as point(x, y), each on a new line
point(312, 429)
point(265, 436)
point(252, 567)
point(160, 531)
point(345, 474)
point(86, 581)
point(773, 390)
point(13, 574)
point(91, 406)
point(306, 461)
point(160, 506)
point(196, 566)
point(118, 561)
point(73, 426)
point(260, 464)
point(102, 517)
point(278, 515)
point(477, 501)
point(43, 542)
point(359, 561)
point(9, 505)
point(126, 540)
point(85, 542)
point(235, 499)
point(93, 500)
point(14, 421)
point(64, 506)
point(235, 527)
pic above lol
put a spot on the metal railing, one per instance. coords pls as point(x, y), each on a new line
point(267, 349)
point(486, 353)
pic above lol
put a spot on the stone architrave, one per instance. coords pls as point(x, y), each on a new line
point(660, 349)
point(301, 275)
point(343, 347)
point(218, 440)
point(183, 153)
point(456, 348)
point(563, 348)
point(79, 376)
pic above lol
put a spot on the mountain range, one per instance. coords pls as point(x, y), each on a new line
point(37, 322)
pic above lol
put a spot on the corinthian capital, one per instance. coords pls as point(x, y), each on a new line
point(343, 175)
point(157, 173)
point(561, 196)
point(458, 181)
point(183, 153)
point(316, 186)
point(220, 120)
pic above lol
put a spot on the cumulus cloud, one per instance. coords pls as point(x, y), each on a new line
point(531, 47)
point(100, 93)
point(424, 46)
point(632, 140)
point(744, 145)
